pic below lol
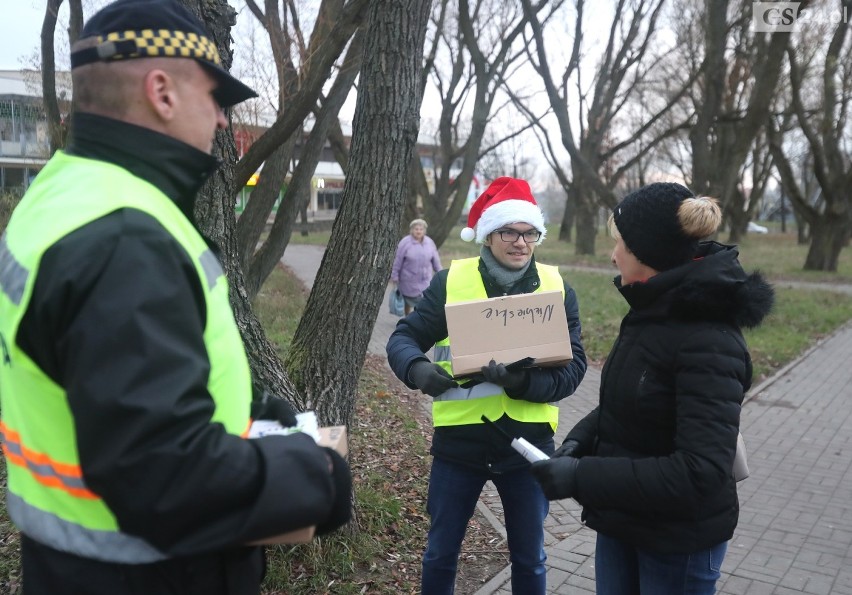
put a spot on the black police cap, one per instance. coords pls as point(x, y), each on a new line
point(129, 29)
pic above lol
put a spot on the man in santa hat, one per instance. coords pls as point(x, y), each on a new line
point(508, 223)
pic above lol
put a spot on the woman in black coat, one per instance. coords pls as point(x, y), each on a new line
point(652, 464)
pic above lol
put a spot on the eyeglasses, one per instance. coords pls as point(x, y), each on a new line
point(512, 235)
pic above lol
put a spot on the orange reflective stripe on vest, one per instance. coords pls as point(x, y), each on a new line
point(46, 471)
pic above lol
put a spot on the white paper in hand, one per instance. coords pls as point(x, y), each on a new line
point(306, 422)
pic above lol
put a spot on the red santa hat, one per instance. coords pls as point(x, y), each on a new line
point(506, 200)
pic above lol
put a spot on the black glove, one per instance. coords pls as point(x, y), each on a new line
point(431, 378)
point(569, 448)
point(341, 510)
point(515, 381)
point(558, 477)
point(266, 406)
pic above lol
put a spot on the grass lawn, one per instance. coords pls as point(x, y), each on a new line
point(801, 316)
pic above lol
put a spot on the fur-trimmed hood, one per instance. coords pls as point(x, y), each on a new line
point(713, 286)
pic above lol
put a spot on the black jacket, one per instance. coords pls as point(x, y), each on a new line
point(479, 445)
point(117, 318)
point(659, 448)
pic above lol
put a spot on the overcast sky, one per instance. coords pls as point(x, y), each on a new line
point(20, 38)
point(20, 29)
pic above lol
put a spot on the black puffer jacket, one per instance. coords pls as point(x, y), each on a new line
point(659, 448)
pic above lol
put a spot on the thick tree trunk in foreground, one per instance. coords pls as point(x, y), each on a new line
point(327, 352)
point(215, 215)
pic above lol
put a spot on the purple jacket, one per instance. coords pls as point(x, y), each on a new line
point(414, 264)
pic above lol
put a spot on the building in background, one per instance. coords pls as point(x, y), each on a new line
point(24, 145)
point(326, 183)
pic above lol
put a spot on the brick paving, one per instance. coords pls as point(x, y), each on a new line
point(795, 528)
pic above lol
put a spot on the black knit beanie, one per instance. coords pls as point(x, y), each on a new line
point(648, 224)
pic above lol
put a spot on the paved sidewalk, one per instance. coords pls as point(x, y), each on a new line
point(304, 260)
point(795, 528)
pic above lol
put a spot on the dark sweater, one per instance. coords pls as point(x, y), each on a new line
point(478, 445)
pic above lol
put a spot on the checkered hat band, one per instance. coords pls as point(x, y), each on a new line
point(162, 43)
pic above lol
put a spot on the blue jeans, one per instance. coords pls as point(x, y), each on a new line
point(623, 569)
point(453, 493)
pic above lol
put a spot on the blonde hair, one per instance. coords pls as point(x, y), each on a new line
point(613, 228)
point(699, 217)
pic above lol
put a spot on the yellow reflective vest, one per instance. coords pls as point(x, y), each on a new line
point(460, 406)
point(47, 496)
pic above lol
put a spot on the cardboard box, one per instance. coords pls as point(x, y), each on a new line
point(334, 437)
point(508, 329)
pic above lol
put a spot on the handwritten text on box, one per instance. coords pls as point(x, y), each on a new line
point(532, 315)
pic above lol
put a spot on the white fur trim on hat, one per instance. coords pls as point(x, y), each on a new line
point(468, 234)
point(506, 212)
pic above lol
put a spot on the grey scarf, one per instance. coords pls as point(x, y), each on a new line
point(504, 277)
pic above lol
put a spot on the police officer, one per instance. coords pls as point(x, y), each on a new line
point(126, 391)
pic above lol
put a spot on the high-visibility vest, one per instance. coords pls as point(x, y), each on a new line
point(47, 496)
point(464, 406)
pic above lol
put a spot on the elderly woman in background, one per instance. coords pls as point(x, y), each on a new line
point(416, 261)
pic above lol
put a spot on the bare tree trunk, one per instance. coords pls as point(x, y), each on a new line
point(327, 352)
point(298, 193)
point(725, 131)
point(828, 236)
point(480, 58)
point(586, 225)
point(568, 215)
point(737, 222)
point(268, 189)
point(303, 218)
point(287, 40)
point(802, 236)
point(55, 134)
point(713, 69)
point(597, 162)
point(821, 110)
point(75, 20)
point(214, 213)
point(315, 74)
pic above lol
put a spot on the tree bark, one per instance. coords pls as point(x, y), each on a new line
point(315, 74)
point(55, 129)
point(268, 189)
point(822, 118)
point(327, 352)
point(737, 91)
point(620, 73)
point(214, 213)
point(828, 236)
point(298, 192)
point(586, 225)
point(476, 70)
point(297, 91)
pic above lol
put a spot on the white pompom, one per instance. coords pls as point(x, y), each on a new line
point(467, 234)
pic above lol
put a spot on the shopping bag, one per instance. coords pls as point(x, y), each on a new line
point(396, 303)
point(741, 471)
